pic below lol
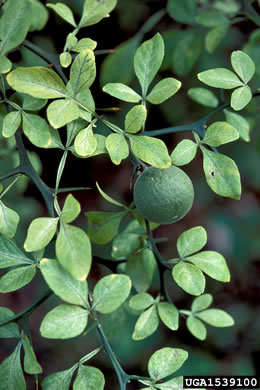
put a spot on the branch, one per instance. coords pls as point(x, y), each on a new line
point(29, 309)
point(27, 169)
point(121, 375)
point(13, 172)
point(197, 127)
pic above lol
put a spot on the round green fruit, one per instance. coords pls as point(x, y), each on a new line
point(163, 195)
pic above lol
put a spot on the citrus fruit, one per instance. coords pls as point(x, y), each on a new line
point(163, 195)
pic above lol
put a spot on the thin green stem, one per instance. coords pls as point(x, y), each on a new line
point(27, 169)
point(137, 378)
point(152, 21)
point(13, 172)
point(9, 186)
point(102, 52)
point(2, 86)
point(69, 189)
point(154, 247)
point(29, 309)
point(162, 264)
point(185, 312)
point(58, 178)
point(197, 127)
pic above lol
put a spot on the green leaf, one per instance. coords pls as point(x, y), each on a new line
point(83, 44)
point(11, 255)
point(172, 384)
point(37, 130)
point(213, 264)
point(60, 112)
point(11, 123)
point(221, 173)
point(203, 96)
point(110, 292)
point(89, 355)
point(184, 12)
point(114, 67)
point(146, 324)
point(5, 64)
point(163, 90)
point(89, 378)
point(243, 65)
point(191, 241)
point(216, 317)
point(169, 315)
point(122, 92)
point(94, 11)
point(11, 372)
point(108, 198)
point(135, 119)
point(14, 24)
point(150, 150)
point(59, 380)
point(140, 267)
point(17, 278)
point(189, 278)
point(73, 128)
point(128, 241)
point(125, 244)
point(196, 327)
point(9, 220)
point(117, 147)
point(171, 38)
point(85, 143)
point(239, 123)
point(73, 251)
point(71, 209)
point(202, 302)
point(37, 81)
point(55, 140)
point(101, 145)
point(220, 133)
point(31, 366)
point(141, 301)
point(30, 103)
point(220, 78)
point(71, 41)
point(147, 61)
point(215, 36)
point(82, 71)
point(40, 233)
point(212, 18)
point(10, 330)
point(184, 152)
point(64, 322)
point(39, 15)
point(63, 283)
point(165, 362)
point(85, 98)
point(64, 12)
point(187, 52)
point(241, 97)
point(103, 226)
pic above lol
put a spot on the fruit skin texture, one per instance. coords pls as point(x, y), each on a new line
point(163, 195)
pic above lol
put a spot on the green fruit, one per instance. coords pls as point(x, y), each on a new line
point(163, 195)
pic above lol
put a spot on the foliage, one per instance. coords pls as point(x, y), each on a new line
point(50, 107)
